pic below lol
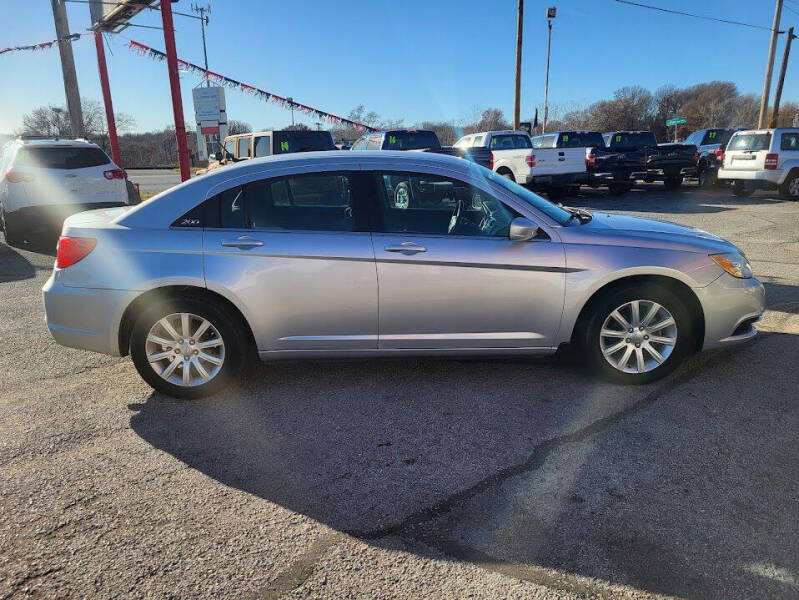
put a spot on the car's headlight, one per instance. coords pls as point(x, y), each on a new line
point(734, 263)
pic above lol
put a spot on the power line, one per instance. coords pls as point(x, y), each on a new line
point(687, 14)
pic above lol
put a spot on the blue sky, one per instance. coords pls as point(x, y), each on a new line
point(410, 59)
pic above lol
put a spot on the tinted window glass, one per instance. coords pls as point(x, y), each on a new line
point(61, 157)
point(580, 139)
point(715, 136)
point(262, 145)
point(478, 140)
point(374, 142)
point(789, 141)
point(308, 202)
point(232, 211)
point(244, 147)
point(509, 141)
point(429, 204)
point(302, 141)
point(410, 140)
point(626, 139)
point(750, 141)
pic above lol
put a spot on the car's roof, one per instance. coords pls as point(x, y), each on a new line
point(78, 142)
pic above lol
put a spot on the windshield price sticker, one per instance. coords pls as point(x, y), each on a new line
point(284, 146)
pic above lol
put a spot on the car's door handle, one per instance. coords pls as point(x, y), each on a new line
point(244, 242)
point(561, 159)
point(406, 248)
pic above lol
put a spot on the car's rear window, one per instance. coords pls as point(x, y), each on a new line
point(302, 141)
point(61, 157)
point(581, 139)
point(750, 141)
point(623, 139)
point(510, 142)
point(411, 140)
point(717, 136)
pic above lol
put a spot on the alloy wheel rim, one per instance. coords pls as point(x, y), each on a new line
point(402, 199)
point(793, 187)
point(638, 336)
point(185, 349)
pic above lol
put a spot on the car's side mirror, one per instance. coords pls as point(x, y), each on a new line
point(218, 156)
point(522, 230)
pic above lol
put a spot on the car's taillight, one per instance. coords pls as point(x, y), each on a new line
point(491, 160)
point(72, 250)
point(696, 156)
point(18, 176)
point(590, 159)
point(114, 174)
point(530, 159)
point(771, 161)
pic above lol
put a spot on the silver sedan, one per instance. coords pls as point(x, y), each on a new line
point(341, 254)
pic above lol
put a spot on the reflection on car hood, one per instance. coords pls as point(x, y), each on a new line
point(664, 232)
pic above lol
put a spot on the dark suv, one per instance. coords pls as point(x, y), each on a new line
point(710, 144)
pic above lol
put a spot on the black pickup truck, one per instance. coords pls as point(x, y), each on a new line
point(419, 140)
point(637, 155)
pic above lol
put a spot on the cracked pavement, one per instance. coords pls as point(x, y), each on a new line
point(412, 479)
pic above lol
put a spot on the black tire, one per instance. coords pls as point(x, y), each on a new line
point(508, 175)
point(707, 178)
point(673, 183)
point(229, 326)
point(602, 307)
point(556, 193)
point(789, 190)
point(742, 190)
point(618, 188)
point(13, 237)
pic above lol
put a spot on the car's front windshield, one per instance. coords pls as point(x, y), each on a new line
point(553, 211)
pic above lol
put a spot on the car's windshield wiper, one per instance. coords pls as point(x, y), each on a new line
point(582, 215)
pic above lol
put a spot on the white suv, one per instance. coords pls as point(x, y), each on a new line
point(763, 159)
point(44, 181)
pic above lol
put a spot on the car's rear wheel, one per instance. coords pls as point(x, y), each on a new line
point(188, 347)
point(508, 175)
point(637, 334)
point(556, 192)
point(742, 190)
point(790, 188)
point(13, 237)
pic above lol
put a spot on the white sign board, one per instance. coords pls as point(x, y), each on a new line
point(209, 103)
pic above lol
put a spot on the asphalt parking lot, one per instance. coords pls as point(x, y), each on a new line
point(412, 479)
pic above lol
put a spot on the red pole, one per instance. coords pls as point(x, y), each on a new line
point(174, 84)
point(109, 105)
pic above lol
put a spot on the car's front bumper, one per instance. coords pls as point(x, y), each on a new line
point(85, 318)
point(732, 307)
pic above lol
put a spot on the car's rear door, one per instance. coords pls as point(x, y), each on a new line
point(450, 278)
point(296, 253)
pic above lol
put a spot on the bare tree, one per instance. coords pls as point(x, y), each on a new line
point(235, 127)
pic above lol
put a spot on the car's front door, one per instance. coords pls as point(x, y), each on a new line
point(449, 277)
point(296, 253)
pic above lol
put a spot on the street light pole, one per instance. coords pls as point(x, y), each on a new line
point(203, 22)
point(517, 98)
point(551, 13)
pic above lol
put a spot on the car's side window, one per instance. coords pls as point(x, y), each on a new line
point(230, 147)
point(317, 202)
point(232, 211)
point(435, 205)
point(789, 141)
point(263, 145)
point(244, 147)
point(477, 141)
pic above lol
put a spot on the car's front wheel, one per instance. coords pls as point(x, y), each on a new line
point(188, 347)
point(637, 334)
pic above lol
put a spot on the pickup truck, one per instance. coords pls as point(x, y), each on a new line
point(763, 159)
point(647, 160)
point(538, 163)
point(710, 144)
point(418, 140)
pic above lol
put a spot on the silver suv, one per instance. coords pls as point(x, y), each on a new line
point(358, 254)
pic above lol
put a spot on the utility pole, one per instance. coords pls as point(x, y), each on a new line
point(517, 106)
point(551, 12)
point(778, 94)
point(68, 68)
point(201, 10)
point(769, 65)
point(290, 100)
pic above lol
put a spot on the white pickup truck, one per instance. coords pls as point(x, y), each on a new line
point(762, 159)
point(536, 163)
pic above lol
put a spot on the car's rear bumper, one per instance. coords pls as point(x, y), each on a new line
point(763, 178)
point(732, 307)
point(557, 179)
point(85, 318)
point(48, 219)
